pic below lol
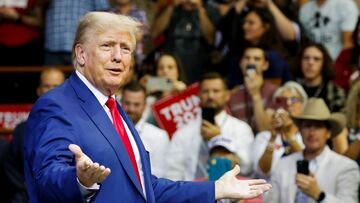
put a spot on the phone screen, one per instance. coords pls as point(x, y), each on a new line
point(302, 167)
point(208, 114)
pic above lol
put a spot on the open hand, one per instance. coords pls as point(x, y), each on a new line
point(229, 187)
point(88, 172)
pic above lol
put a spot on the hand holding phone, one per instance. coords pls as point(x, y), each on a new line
point(208, 114)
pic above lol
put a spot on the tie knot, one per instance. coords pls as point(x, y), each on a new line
point(111, 103)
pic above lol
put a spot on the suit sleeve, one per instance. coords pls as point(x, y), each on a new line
point(183, 191)
point(49, 165)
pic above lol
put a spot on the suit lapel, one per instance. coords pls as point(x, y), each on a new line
point(100, 119)
point(142, 151)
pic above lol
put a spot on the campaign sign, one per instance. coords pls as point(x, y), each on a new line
point(13, 114)
point(175, 111)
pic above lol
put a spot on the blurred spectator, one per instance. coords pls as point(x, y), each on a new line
point(283, 138)
point(188, 27)
point(62, 17)
point(330, 23)
point(328, 177)
point(129, 8)
point(348, 62)
point(168, 69)
point(16, 189)
point(168, 66)
point(188, 151)
point(352, 111)
point(155, 139)
point(20, 33)
point(314, 71)
point(248, 101)
point(260, 30)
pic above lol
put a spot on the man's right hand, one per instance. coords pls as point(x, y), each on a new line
point(88, 172)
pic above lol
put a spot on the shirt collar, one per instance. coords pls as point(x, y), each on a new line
point(99, 96)
point(220, 118)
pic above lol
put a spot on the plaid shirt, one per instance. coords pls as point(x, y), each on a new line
point(333, 95)
point(62, 18)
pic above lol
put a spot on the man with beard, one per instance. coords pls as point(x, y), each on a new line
point(188, 150)
point(156, 140)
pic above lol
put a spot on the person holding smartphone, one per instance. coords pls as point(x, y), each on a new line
point(249, 101)
point(327, 177)
point(188, 151)
point(284, 137)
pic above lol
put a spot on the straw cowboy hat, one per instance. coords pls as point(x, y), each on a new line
point(316, 109)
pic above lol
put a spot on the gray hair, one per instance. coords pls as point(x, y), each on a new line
point(295, 88)
point(94, 23)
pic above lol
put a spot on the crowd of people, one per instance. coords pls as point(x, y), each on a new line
point(280, 75)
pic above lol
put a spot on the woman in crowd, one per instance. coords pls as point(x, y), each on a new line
point(314, 71)
point(167, 67)
point(284, 138)
point(259, 29)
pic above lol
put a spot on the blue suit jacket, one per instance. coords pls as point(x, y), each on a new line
point(69, 114)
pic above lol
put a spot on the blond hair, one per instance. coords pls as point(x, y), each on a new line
point(95, 23)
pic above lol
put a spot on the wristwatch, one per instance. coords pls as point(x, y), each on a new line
point(321, 197)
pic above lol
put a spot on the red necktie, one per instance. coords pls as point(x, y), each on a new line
point(119, 126)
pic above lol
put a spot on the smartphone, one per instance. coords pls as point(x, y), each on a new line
point(302, 167)
point(217, 166)
point(159, 84)
point(208, 114)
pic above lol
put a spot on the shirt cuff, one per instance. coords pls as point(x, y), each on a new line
point(88, 192)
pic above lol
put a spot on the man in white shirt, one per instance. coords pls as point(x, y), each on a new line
point(155, 140)
point(330, 23)
point(188, 151)
point(329, 177)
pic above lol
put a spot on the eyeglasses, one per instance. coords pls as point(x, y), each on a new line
point(285, 101)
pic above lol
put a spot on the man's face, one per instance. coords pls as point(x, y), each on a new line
point(311, 63)
point(133, 104)
point(49, 80)
point(314, 135)
point(253, 56)
point(213, 94)
point(105, 60)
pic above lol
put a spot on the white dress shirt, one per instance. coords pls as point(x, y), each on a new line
point(102, 100)
point(156, 142)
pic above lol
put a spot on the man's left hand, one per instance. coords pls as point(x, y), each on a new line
point(308, 185)
point(229, 187)
point(209, 130)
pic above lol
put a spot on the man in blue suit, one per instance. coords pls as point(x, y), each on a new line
point(76, 126)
